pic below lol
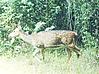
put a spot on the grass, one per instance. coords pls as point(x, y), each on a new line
point(54, 63)
point(58, 65)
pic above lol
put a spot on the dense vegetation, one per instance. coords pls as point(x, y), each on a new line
point(81, 16)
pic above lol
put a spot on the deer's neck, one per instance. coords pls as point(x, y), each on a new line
point(26, 37)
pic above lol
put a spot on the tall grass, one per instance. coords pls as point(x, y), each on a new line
point(55, 62)
point(58, 65)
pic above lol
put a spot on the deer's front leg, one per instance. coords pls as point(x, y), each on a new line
point(37, 50)
point(42, 52)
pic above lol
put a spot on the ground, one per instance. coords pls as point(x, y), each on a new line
point(52, 65)
point(16, 66)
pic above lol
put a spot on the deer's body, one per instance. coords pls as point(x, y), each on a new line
point(46, 39)
point(54, 37)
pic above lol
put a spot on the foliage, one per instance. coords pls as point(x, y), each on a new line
point(77, 15)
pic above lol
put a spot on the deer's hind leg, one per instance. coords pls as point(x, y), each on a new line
point(69, 52)
point(77, 51)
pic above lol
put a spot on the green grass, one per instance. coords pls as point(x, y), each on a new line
point(59, 65)
point(56, 63)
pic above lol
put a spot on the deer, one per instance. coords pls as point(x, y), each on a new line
point(49, 39)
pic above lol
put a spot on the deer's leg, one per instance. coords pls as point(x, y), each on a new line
point(42, 52)
point(37, 50)
point(69, 54)
point(77, 51)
